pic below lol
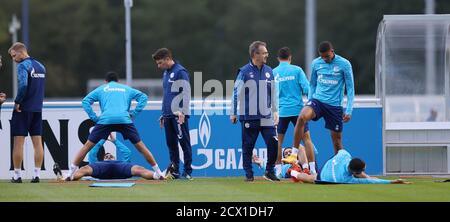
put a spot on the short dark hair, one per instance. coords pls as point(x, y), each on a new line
point(325, 46)
point(356, 166)
point(162, 53)
point(284, 53)
point(111, 76)
point(255, 46)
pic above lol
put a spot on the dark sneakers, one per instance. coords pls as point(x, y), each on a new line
point(271, 176)
point(249, 179)
point(188, 176)
point(171, 170)
point(35, 180)
point(19, 180)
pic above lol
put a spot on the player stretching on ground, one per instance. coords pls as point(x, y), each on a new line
point(115, 100)
point(110, 168)
point(342, 168)
point(330, 73)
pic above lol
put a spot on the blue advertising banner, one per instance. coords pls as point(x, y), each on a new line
point(216, 143)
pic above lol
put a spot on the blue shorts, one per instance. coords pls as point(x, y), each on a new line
point(26, 122)
point(111, 170)
point(101, 131)
point(283, 124)
point(331, 114)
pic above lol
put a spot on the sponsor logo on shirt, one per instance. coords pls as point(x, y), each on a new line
point(267, 75)
point(33, 74)
point(285, 78)
point(108, 89)
point(326, 81)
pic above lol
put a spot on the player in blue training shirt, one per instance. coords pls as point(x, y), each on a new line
point(254, 91)
point(110, 168)
point(342, 168)
point(291, 84)
point(98, 151)
point(27, 114)
point(331, 74)
point(175, 110)
point(115, 100)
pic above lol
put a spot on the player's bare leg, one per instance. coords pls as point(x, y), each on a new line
point(306, 114)
point(142, 148)
point(336, 137)
point(38, 157)
point(78, 158)
point(83, 171)
point(18, 157)
point(144, 173)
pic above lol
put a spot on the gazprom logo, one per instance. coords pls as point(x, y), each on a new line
point(204, 127)
point(108, 89)
point(33, 74)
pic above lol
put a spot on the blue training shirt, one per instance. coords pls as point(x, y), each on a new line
point(328, 81)
point(115, 100)
point(123, 152)
point(291, 84)
point(31, 85)
point(336, 170)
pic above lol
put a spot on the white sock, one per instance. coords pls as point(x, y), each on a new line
point(37, 171)
point(312, 167)
point(17, 174)
point(157, 170)
point(277, 169)
point(294, 173)
point(72, 170)
point(156, 176)
point(294, 151)
point(305, 166)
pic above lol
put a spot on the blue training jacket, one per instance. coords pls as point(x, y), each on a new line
point(31, 85)
point(115, 100)
point(253, 91)
point(328, 81)
point(177, 91)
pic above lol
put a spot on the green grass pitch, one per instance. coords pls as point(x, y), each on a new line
point(227, 189)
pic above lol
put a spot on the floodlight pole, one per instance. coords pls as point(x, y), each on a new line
point(310, 40)
point(430, 57)
point(13, 27)
point(128, 4)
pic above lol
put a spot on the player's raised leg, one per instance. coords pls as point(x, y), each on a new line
point(306, 115)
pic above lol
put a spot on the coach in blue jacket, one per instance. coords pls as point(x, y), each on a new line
point(175, 110)
point(254, 91)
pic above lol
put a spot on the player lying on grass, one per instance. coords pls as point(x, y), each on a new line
point(110, 168)
point(342, 168)
point(285, 170)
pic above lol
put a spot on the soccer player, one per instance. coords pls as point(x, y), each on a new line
point(2, 95)
point(98, 151)
point(291, 84)
point(27, 114)
point(175, 110)
point(330, 75)
point(110, 168)
point(342, 168)
point(258, 109)
point(115, 100)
